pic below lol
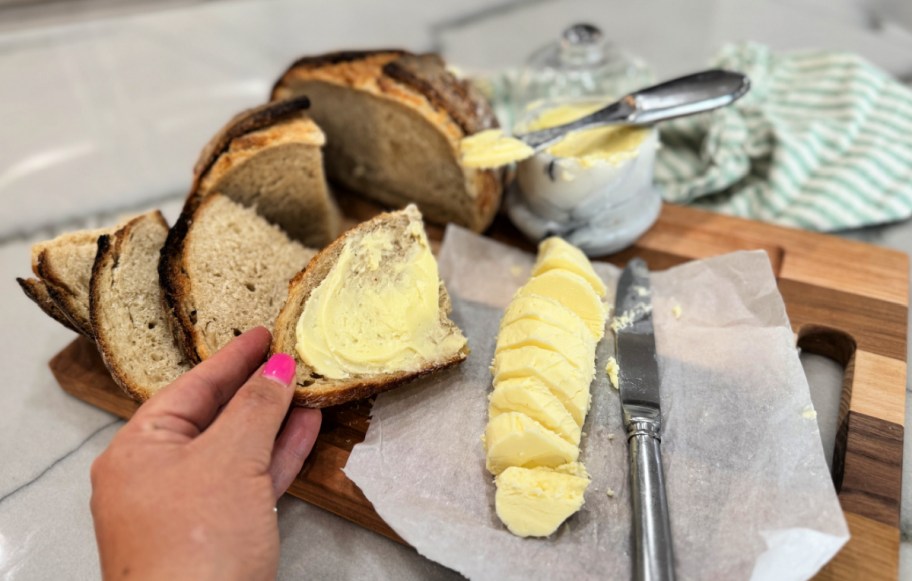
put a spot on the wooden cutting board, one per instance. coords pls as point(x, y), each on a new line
point(846, 300)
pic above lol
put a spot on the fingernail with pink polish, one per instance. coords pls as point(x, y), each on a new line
point(280, 368)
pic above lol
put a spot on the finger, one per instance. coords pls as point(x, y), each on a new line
point(293, 446)
point(250, 421)
point(191, 402)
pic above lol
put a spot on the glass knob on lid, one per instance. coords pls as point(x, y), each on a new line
point(582, 63)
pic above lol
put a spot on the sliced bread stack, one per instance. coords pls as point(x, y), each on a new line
point(259, 199)
point(393, 122)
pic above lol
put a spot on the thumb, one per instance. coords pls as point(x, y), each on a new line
point(253, 417)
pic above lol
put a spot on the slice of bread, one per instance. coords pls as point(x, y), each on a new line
point(64, 264)
point(394, 122)
point(36, 290)
point(314, 390)
point(224, 269)
point(126, 310)
point(271, 157)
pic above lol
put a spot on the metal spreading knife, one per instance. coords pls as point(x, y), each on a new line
point(638, 381)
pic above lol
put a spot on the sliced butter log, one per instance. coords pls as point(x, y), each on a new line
point(368, 313)
point(64, 264)
point(270, 157)
point(126, 309)
point(36, 290)
point(394, 122)
point(224, 269)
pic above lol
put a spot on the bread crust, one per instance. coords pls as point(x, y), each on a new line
point(299, 291)
point(37, 290)
point(109, 250)
point(175, 283)
point(405, 76)
point(61, 295)
point(244, 122)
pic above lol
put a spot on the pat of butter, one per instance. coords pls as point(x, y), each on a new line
point(534, 502)
point(568, 383)
point(515, 439)
point(377, 310)
point(557, 253)
point(492, 148)
point(577, 348)
point(544, 309)
point(530, 396)
point(574, 292)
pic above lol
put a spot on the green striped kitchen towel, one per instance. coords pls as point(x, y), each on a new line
point(823, 141)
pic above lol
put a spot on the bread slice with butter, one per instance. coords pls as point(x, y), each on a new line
point(224, 269)
point(368, 313)
point(270, 157)
point(394, 122)
point(64, 266)
point(127, 315)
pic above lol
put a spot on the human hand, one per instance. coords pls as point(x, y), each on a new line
point(187, 488)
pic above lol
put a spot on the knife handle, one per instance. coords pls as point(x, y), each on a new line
point(654, 558)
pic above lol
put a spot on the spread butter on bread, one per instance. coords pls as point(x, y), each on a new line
point(368, 313)
point(394, 123)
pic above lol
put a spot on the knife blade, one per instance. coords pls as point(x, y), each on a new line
point(638, 382)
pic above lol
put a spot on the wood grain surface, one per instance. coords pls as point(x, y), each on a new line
point(846, 300)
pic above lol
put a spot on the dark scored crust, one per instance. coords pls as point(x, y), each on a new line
point(334, 58)
point(425, 74)
point(175, 283)
point(299, 291)
point(428, 75)
point(109, 250)
point(245, 122)
point(37, 290)
point(61, 295)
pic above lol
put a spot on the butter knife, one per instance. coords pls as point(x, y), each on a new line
point(638, 381)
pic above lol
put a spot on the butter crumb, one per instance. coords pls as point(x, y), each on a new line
point(809, 413)
point(611, 437)
point(516, 271)
point(609, 493)
point(612, 370)
point(676, 311)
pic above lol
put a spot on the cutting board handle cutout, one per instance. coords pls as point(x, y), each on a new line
point(840, 347)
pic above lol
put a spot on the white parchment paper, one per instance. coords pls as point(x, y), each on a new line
point(748, 488)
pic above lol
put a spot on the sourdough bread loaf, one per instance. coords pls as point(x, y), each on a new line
point(375, 268)
point(126, 310)
point(270, 157)
point(224, 269)
point(393, 122)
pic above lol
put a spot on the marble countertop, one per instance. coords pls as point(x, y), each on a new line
point(104, 114)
